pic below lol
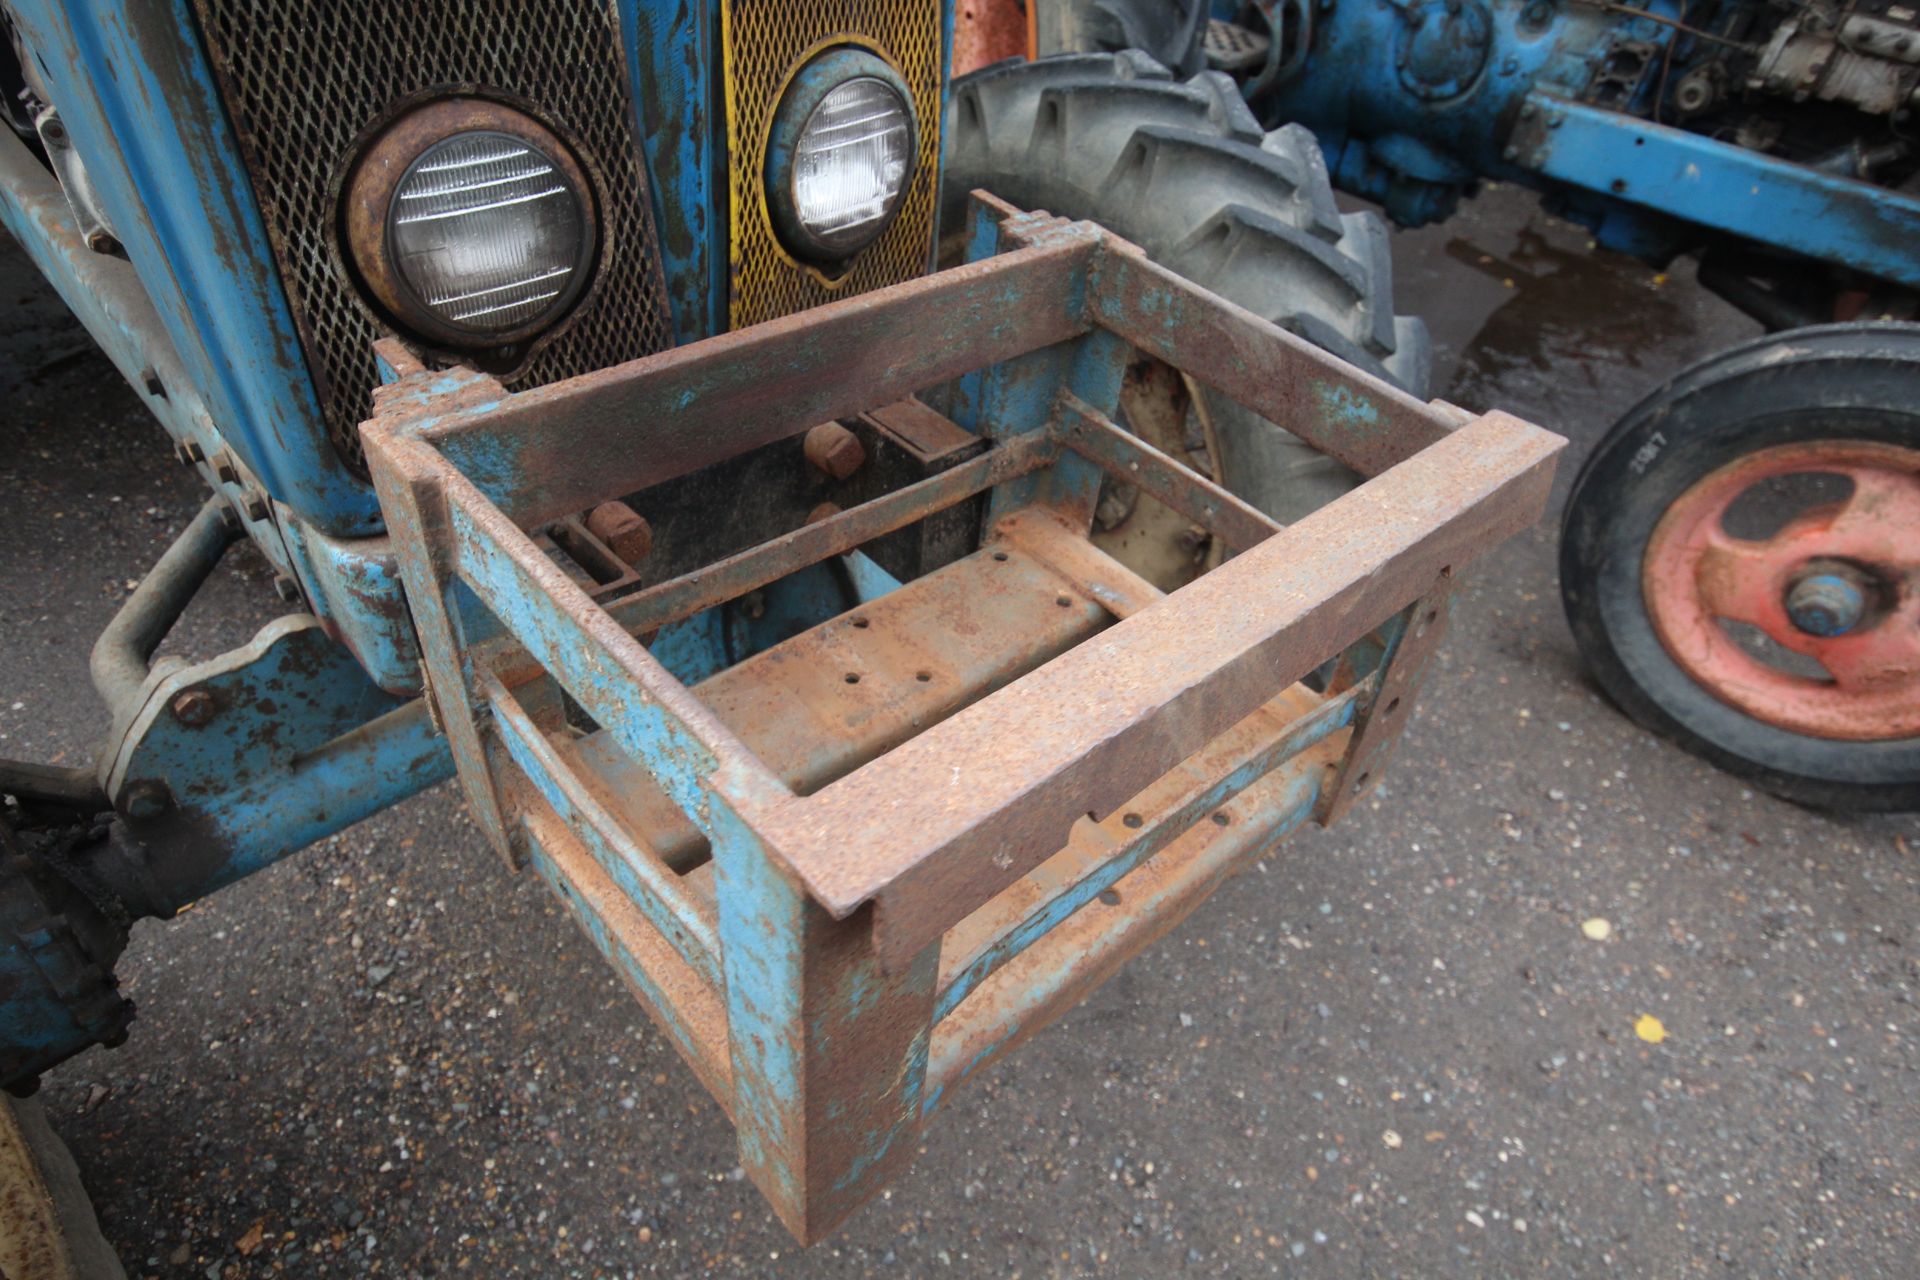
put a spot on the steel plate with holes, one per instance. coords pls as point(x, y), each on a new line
point(847, 872)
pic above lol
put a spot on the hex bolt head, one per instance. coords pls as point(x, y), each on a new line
point(286, 588)
point(225, 469)
point(150, 379)
point(189, 452)
point(835, 450)
point(256, 507)
point(193, 707)
point(624, 530)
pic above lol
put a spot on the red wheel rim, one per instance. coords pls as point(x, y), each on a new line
point(1697, 577)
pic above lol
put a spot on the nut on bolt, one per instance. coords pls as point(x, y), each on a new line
point(148, 799)
point(835, 450)
point(193, 707)
point(623, 529)
point(286, 588)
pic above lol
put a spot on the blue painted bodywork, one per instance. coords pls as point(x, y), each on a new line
point(1415, 103)
point(142, 107)
point(678, 106)
point(1728, 188)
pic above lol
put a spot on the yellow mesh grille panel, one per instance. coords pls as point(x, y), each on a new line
point(763, 43)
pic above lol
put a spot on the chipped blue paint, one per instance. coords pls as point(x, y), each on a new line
point(1328, 718)
point(633, 870)
point(1281, 812)
point(353, 585)
point(907, 1120)
point(646, 729)
point(671, 47)
point(301, 745)
point(1345, 409)
point(1731, 189)
point(693, 648)
point(142, 107)
point(629, 965)
point(762, 920)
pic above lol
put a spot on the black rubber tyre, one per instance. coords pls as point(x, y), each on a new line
point(1832, 382)
point(1114, 138)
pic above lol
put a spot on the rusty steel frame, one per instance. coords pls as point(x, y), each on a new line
point(849, 871)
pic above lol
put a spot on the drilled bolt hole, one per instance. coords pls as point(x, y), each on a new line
point(1359, 783)
point(999, 555)
point(853, 677)
point(1132, 820)
point(1391, 707)
point(1062, 601)
point(1220, 819)
point(1109, 897)
point(923, 676)
point(860, 623)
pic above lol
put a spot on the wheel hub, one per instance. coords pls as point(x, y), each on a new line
point(1839, 584)
point(1827, 603)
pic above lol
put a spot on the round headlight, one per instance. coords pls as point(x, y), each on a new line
point(841, 155)
point(471, 223)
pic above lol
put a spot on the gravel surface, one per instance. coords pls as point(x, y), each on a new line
point(1393, 1049)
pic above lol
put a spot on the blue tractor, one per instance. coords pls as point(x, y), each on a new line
point(1739, 554)
point(828, 630)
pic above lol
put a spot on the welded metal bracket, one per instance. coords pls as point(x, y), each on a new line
point(847, 872)
point(222, 766)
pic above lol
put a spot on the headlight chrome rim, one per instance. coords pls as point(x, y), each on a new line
point(805, 93)
point(382, 169)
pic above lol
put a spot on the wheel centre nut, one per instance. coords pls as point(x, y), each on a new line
point(1826, 604)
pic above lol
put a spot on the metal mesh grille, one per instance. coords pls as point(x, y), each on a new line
point(302, 78)
point(765, 41)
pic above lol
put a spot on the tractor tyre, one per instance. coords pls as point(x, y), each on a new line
point(1167, 30)
point(1740, 564)
point(47, 1227)
point(1182, 169)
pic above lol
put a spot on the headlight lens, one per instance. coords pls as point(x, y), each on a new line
point(486, 233)
point(841, 156)
point(851, 164)
point(471, 224)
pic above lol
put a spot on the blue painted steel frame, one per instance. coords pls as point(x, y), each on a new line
point(1642, 188)
point(1723, 187)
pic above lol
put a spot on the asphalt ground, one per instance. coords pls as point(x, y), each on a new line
point(1390, 1050)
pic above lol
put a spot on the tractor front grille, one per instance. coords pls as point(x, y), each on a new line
point(302, 79)
point(764, 43)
